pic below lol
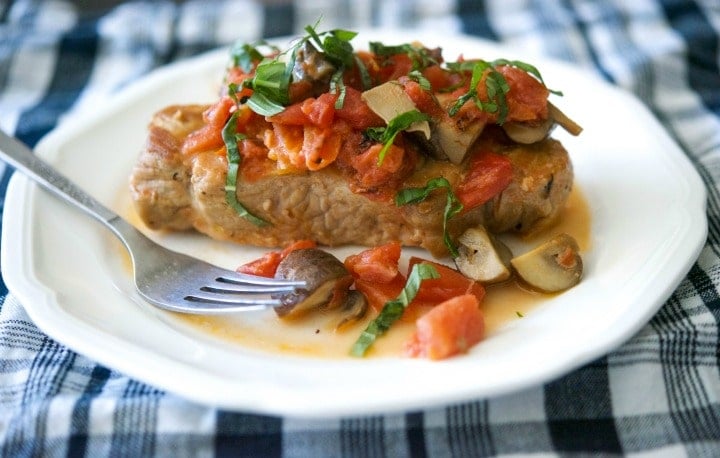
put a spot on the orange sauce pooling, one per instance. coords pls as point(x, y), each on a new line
point(315, 334)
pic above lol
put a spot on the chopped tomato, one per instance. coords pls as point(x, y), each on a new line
point(356, 112)
point(376, 273)
point(378, 294)
point(285, 143)
point(237, 76)
point(266, 265)
point(450, 284)
point(393, 67)
point(292, 115)
point(320, 111)
point(320, 147)
point(372, 175)
point(448, 329)
point(316, 111)
point(438, 77)
point(423, 100)
point(527, 98)
point(378, 264)
point(488, 175)
point(209, 136)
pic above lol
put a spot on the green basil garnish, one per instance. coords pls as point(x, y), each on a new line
point(386, 135)
point(231, 138)
point(393, 310)
point(452, 205)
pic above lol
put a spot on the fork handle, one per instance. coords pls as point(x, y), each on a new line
point(19, 156)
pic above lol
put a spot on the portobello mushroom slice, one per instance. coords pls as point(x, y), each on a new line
point(554, 266)
point(327, 282)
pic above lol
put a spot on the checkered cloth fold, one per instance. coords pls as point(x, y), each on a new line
point(659, 393)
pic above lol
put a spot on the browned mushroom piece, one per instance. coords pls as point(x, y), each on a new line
point(327, 282)
point(528, 133)
point(482, 257)
point(554, 266)
point(452, 136)
point(531, 132)
point(353, 309)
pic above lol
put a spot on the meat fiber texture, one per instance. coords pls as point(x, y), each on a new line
point(173, 192)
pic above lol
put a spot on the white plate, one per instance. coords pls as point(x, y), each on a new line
point(648, 225)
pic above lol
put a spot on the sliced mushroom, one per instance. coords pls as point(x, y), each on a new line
point(453, 136)
point(326, 277)
point(311, 65)
point(482, 257)
point(354, 308)
point(389, 100)
point(532, 132)
point(564, 121)
point(528, 133)
point(554, 266)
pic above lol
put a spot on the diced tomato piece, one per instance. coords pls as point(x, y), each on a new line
point(286, 143)
point(237, 76)
point(266, 265)
point(448, 329)
point(438, 77)
point(320, 147)
point(209, 137)
point(356, 112)
point(378, 294)
point(292, 115)
point(450, 284)
point(316, 111)
point(423, 100)
point(488, 175)
point(378, 264)
point(320, 111)
point(376, 273)
point(372, 175)
point(393, 67)
point(527, 98)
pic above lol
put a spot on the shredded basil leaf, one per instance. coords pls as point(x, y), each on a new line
point(527, 68)
point(270, 88)
point(418, 77)
point(246, 55)
point(496, 88)
point(495, 84)
point(364, 74)
point(419, 56)
point(452, 205)
point(231, 137)
point(386, 135)
point(337, 85)
point(393, 310)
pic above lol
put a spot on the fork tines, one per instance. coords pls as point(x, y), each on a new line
point(242, 291)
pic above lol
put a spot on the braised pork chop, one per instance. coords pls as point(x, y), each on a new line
point(175, 192)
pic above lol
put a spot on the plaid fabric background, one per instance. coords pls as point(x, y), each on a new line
point(658, 394)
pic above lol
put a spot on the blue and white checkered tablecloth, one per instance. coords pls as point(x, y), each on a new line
point(657, 395)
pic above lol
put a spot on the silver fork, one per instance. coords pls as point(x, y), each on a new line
point(170, 280)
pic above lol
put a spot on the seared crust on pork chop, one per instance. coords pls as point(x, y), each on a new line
point(174, 192)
